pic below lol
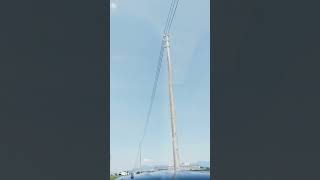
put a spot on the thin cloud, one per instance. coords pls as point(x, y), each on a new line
point(148, 161)
point(113, 5)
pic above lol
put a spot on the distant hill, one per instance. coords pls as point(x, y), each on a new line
point(202, 163)
point(156, 166)
point(153, 167)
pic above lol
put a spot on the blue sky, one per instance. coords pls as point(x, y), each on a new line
point(136, 32)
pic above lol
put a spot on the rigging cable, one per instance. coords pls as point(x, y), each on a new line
point(170, 17)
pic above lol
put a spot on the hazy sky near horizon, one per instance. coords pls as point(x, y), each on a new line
point(136, 32)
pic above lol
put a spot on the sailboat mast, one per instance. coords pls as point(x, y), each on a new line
point(140, 161)
point(176, 160)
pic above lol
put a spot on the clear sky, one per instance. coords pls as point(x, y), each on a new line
point(136, 32)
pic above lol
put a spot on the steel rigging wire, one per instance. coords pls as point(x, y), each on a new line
point(170, 17)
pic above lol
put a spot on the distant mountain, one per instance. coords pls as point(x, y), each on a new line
point(202, 163)
point(154, 166)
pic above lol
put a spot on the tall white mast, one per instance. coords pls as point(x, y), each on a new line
point(176, 159)
point(140, 161)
